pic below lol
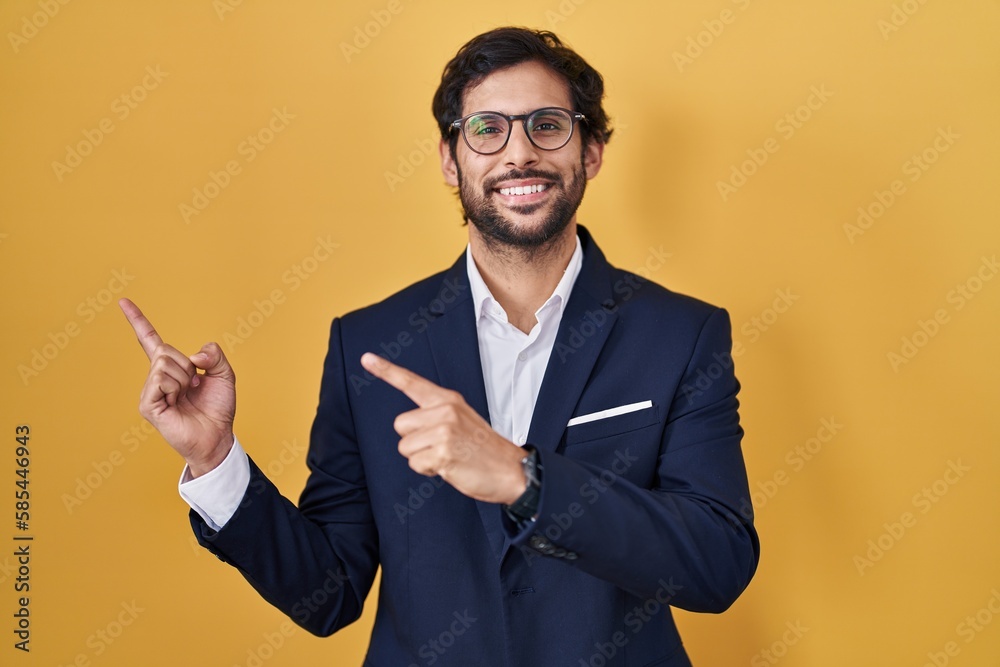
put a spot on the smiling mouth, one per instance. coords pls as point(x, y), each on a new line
point(524, 190)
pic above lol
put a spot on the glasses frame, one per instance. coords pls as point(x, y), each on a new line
point(575, 117)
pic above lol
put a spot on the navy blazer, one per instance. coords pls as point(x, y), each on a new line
point(639, 511)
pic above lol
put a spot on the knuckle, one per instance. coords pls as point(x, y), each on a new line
point(398, 424)
point(420, 468)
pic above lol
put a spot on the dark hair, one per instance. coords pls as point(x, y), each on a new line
point(505, 47)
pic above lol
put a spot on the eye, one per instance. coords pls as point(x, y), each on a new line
point(485, 125)
point(549, 122)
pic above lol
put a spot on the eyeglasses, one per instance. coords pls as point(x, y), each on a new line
point(487, 132)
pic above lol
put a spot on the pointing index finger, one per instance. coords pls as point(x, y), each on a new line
point(419, 389)
point(144, 331)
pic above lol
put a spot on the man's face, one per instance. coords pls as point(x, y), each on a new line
point(486, 183)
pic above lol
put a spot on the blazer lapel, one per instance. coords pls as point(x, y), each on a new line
point(454, 343)
point(587, 320)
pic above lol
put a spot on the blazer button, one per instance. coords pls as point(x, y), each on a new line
point(541, 544)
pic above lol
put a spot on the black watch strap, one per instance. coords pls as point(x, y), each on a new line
point(525, 508)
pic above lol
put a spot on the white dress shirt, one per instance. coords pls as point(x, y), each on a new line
point(513, 365)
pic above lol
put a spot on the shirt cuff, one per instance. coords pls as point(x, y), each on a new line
point(217, 494)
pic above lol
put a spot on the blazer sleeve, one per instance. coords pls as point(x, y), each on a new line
point(319, 559)
point(693, 528)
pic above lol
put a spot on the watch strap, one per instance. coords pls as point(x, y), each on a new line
point(525, 508)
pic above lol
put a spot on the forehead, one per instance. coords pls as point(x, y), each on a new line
point(518, 89)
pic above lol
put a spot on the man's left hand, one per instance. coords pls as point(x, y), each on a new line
point(445, 436)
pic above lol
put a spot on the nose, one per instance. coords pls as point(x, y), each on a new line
point(519, 151)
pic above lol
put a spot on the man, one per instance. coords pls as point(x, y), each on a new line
point(554, 460)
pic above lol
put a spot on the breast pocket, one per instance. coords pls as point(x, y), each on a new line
point(627, 444)
point(607, 424)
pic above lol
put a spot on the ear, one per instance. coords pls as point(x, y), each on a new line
point(448, 166)
point(593, 156)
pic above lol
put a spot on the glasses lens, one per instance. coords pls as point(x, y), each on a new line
point(550, 128)
point(486, 132)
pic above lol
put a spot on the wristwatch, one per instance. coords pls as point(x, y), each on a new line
point(525, 508)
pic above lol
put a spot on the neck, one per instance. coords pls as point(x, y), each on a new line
point(521, 279)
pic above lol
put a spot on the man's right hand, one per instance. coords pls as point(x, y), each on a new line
point(193, 412)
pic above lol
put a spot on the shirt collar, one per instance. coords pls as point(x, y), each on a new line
point(481, 296)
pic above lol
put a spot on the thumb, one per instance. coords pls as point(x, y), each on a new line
point(211, 360)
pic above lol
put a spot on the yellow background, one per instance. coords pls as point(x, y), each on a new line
point(364, 113)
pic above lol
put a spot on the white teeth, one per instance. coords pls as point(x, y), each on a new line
point(524, 190)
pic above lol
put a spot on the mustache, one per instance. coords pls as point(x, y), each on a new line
point(521, 174)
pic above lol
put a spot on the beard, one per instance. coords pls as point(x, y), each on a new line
point(503, 235)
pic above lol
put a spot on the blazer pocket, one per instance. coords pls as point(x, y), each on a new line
point(611, 426)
